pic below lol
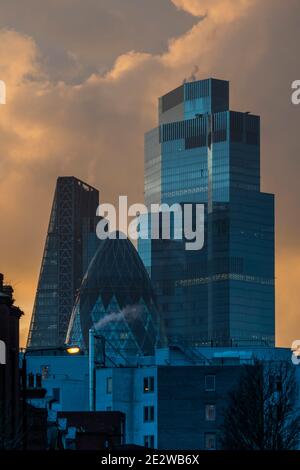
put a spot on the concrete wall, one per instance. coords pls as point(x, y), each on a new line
point(69, 374)
point(181, 403)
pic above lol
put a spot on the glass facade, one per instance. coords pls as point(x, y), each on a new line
point(202, 152)
point(70, 244)
point(116, 299)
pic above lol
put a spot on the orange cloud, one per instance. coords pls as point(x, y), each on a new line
point(126, 63)
point(220, 11)
point(93, 127)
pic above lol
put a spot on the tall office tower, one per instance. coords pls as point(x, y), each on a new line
point(201, 152)
point(70, 244)
point(116, 299)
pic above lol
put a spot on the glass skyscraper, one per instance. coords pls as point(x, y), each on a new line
point(116, 299)
point(71, 243)
point(202, 152)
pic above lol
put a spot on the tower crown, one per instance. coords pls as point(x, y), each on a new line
point(191, 98)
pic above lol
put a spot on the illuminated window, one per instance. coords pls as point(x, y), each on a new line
point(148, 384)
point(45, 372)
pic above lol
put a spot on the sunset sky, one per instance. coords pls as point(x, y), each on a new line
point(82, 81)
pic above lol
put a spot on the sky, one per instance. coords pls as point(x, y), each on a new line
point(83, 80)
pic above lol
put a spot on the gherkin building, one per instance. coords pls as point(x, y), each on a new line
point(117, 300)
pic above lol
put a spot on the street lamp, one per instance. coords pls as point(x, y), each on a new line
point(70, 349)
point(73, 350)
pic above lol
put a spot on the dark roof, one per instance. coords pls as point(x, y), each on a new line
point(93, 421)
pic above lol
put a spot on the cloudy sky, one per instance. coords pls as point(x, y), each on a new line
point(82, 85)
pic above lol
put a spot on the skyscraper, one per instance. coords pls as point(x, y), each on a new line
point(70, 244)
point(202, 152)
point(116, 298)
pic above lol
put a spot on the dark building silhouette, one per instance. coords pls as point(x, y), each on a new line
point(10, 411)
point(80, 430)
point(70, 244)
point(36, 428)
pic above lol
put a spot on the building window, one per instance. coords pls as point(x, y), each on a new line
point(45, 370)
point(108, 408)
point(210, 441)
point(149, 441)
point(210, 412)
point(148, 414)
point(56, 394)
point(210, 383)
point(109, 385)
point(148, 384)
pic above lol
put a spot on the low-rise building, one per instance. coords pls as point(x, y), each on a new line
point(172, 400)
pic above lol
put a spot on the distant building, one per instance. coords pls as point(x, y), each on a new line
point(70, 244)
point(10, 399)
point(202, 152)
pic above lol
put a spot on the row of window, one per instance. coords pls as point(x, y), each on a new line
point(149, 413)
point(210, 441)
point(224, 277)
point(148, 384)
point(200, 138)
